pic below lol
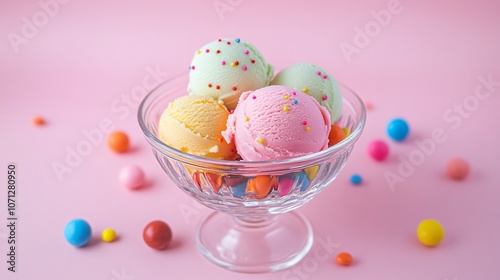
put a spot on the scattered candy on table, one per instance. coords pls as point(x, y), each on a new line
point(368, 105)
point(77, 232)
point(430, 232)
point(378, 150)
point(457, 168)
point(118, 141)
point(157, 235)
point(398, 129)
point(38, 121)
point(344, 259)
point(356, 179)
point(108, 235)
point(132, 177)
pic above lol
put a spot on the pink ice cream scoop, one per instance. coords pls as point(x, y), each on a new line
point(277, 122)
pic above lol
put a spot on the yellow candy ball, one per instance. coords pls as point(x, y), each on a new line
point(430, 232)
point(108, 235)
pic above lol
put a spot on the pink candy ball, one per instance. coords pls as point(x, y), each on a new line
point(378, 150)
point(132, 177)
point(457, 168)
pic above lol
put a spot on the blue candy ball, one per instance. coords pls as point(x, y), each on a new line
point(356, 179)
point(398, 129)
point(77, 232)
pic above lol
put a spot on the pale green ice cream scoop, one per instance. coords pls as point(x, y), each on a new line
point(315, 81)
point(225, 68)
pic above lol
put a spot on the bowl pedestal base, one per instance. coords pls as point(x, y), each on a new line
point(255, 245)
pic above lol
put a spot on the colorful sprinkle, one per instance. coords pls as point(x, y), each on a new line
point(324, 97)
point(305, 90)
point(294, 93)
point(237, 40)
point(234, 88)
point(217, 51)
point(217, 87)
point(247, 119)
point(198, 52)
point(285, 108)
point(229, 43)
point(220, 40)
point(253, 96)
point(231, 112)
point(244, 68)
point(207, 50)
point(253, 61)
point(234, 63)
point(319, 73)
point(295, 102)
point(304, 122)
point(260, 140)
point(209, 85)
point(325, 76)
point(192, 67)
point(286, 96)
point(247, 51)
point(223, 62)
point(308, 128)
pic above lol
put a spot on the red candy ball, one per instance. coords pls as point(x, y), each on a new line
point(457, 168)
point(157, 235)
point(378, 150)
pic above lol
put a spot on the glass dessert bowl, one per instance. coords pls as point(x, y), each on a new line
point(254, 228)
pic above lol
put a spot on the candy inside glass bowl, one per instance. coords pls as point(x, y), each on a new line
point(254, 228)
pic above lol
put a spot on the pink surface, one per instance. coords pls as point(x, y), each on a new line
point(87, 67)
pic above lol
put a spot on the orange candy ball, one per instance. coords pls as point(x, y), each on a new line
point(38, 121)
point(261, 186)
point(344, 259)
point(118, 141)
point(336, 135)
point(457, 168)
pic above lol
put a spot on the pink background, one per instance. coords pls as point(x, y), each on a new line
point(77, 67)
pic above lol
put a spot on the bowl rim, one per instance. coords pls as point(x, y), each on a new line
point(189, 158)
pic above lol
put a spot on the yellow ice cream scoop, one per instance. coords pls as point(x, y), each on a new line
point(193, 124)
